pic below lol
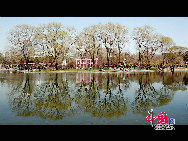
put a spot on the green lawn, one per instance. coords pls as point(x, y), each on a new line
point(97, 69)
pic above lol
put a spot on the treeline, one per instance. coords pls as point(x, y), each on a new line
point(54, 43)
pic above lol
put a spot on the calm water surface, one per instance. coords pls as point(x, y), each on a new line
point(92, 98)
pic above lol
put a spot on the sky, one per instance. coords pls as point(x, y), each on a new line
point(173, 27)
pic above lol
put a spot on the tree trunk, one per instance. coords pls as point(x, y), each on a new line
point(55, 58)
point(56, 66)
point(27, 61)
point(163, 58)
point(140, 58)
point(93, 61)
point(55, 61)
point(107, 58)
point(119, 54)
point(147, 60)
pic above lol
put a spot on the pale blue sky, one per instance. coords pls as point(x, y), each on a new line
point(174, 27)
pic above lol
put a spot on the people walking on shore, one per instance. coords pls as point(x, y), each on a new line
point(172, 68)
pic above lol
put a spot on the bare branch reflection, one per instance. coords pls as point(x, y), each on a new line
point(104, 95)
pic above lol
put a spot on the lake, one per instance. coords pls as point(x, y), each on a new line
point(90, 98)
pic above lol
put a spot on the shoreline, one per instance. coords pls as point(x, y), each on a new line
point(92, 71)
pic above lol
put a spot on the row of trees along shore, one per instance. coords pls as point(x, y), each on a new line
point(53, 43)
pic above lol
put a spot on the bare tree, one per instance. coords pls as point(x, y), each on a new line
point(106, 38)
point(53, 39)
point(88, 43)
point(165, 44)
point(147, 42)
point(21, 38)
point(120, 37)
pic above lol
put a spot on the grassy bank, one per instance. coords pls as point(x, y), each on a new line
point(96, 70)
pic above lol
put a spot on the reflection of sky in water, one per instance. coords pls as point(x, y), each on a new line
point(114, 99)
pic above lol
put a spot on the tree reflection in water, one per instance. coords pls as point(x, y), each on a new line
point(102, 95)
point(53, 99)
point(101, 102)
point(20, 97)
point(49, 100)
point(177, 81)
point(148, 96)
